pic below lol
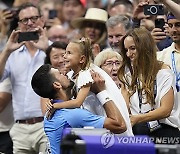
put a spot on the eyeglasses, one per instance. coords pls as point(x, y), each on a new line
point(33, 19)
point(112, 63)
point(177, 25)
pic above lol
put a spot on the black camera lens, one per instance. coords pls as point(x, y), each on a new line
point(153, 9)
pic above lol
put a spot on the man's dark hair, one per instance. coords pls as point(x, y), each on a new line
point(58, 45)
point(27, 5)
point(42, 82)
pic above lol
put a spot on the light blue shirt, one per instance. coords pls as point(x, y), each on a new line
point(20, 67)
point(63, 118)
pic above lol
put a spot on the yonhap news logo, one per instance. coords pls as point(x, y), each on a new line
point(107, 140)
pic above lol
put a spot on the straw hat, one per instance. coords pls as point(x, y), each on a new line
point(92, 14)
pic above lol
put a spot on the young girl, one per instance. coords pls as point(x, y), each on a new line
point(78, 58)
point(153, 102)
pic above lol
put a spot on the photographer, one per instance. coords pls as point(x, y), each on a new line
point(140, 19)
point(19, 61)
point(153, 18)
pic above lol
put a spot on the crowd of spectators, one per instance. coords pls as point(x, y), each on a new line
point(132, 45)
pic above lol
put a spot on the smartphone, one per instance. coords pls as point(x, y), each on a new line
point(153, 10)
point(52, 14)
point(28, 36)
point(159, 23)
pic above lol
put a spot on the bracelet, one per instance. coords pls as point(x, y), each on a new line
point(103, 97)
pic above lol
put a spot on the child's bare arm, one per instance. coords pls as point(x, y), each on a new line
point(82, 94)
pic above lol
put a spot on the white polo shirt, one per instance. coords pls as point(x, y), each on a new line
point(165, 56)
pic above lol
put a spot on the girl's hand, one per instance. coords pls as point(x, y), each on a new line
point(48, 105)
point(49, 109)
point(99, 82)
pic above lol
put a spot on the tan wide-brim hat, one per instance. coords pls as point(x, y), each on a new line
point(92, 14)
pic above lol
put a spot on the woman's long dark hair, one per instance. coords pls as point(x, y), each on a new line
point(145, 66)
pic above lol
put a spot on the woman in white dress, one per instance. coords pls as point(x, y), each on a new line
point(150, 87)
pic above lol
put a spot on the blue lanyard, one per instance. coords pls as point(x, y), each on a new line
point(174, 68)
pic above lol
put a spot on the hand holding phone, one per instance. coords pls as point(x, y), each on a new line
point(28, 36)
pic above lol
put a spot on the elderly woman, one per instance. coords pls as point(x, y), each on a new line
point(109, 61)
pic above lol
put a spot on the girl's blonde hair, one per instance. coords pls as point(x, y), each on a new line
point(106, 54)
point(86, 50)
point(145, 66)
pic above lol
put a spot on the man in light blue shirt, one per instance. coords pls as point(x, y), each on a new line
point(19, 61)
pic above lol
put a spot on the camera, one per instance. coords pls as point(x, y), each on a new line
point(153, 10)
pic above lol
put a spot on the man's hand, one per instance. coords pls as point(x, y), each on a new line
point(42, 43)
point(158, 35)
point(139, 10)
point(99, 82)
point(12, 43)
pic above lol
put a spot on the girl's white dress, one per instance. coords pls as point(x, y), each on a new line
point(92, 103)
